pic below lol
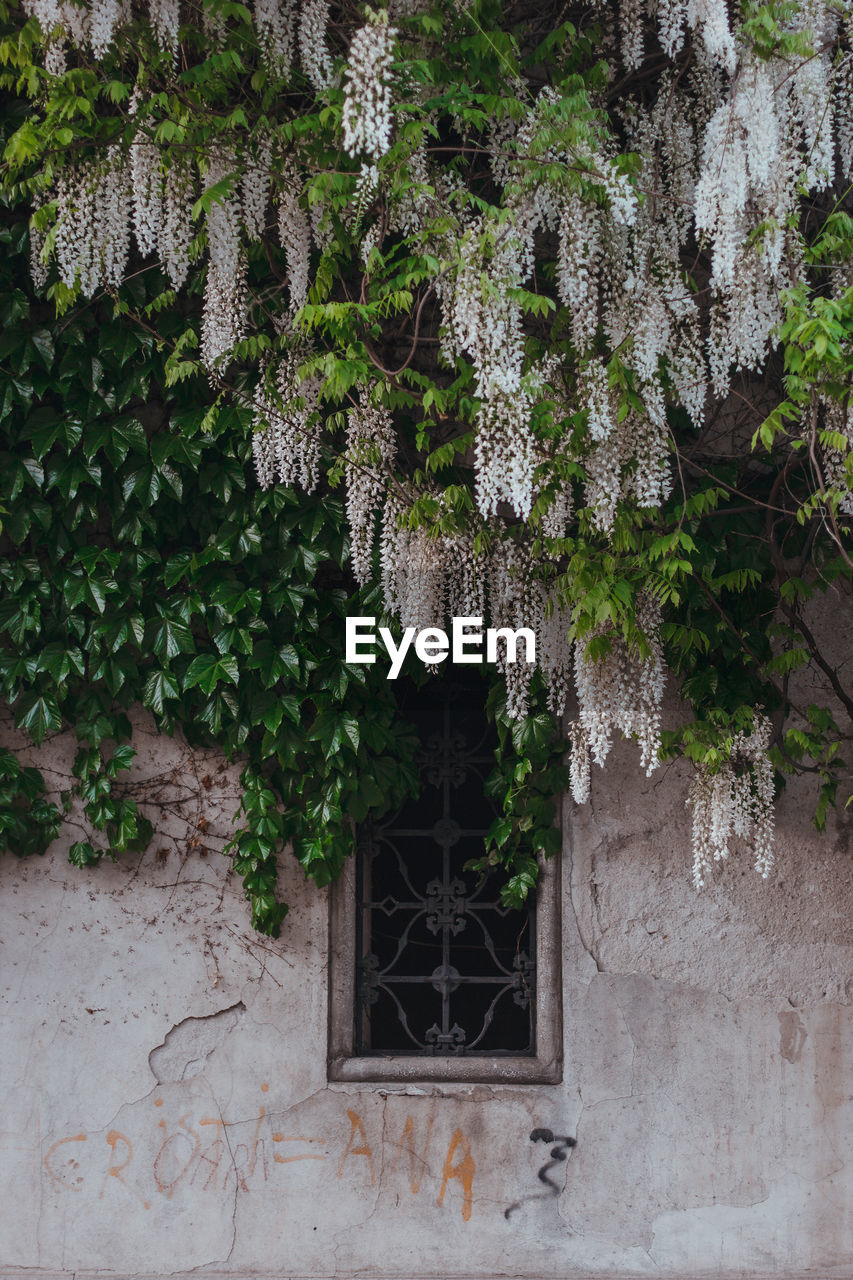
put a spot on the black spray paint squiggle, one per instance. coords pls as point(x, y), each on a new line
point(559, 1153)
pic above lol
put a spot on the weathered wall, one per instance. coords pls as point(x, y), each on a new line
point(166, 1109)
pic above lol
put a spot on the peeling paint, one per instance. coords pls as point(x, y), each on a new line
point(190, 1043)
point(711, 1104)
point(792, 1035)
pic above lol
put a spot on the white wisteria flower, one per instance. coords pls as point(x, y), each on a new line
point(367, 93)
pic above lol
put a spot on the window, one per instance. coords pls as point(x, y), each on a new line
point(431, 978)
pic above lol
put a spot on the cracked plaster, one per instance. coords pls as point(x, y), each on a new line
point(166, 1110)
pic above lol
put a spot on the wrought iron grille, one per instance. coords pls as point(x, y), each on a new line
point(442, 967)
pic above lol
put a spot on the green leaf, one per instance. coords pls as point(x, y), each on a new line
point(160, 686)
point(39, 715)
point(208, 670)
point(83, 854)
point(168, 638)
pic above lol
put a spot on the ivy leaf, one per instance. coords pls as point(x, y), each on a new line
point(42, 340)
point(159, 686)
point(38, 714)
point(168, 638)
point(117, 438)
point(83, 854)
point(47, 427)
point(144, 483)
point(17, 620)
point(351, 731)
point(214, 709)
point(59, 661)
point(208, 670)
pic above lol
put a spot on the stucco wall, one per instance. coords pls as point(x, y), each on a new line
point(166, 1108)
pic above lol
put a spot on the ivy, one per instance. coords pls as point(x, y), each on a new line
point(28, 821)
point(528, 775)
point(144, 565)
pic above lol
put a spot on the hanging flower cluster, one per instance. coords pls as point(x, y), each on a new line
point(618, 689)
point(589, 272)
point(484, 320)
point(736, 800)
point(255, 190)
point(93, 27)
point(146, 180)
point(370, 452)
point(93, 233)
point(367, 94)
point(224, 319)
point(313, 49)
point(288, 437)
point(176, 232)
point(294, 232)
point(838, 457)
point(276, 25)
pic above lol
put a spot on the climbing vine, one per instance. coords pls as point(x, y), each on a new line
point(143, 564)
point(535, 313)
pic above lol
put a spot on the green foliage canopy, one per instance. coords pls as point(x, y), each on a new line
point(148, 566)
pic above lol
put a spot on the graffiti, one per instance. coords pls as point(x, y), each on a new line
point(65, 1174)
point(211, 1153)
point(172, 1164)
point(121, 1154)
point(559, 1153)
point(464, 1171)
point(296, 1137)
point(185, 1156)
point(357, 1128)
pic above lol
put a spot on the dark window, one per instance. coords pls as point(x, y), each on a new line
point(442, 968)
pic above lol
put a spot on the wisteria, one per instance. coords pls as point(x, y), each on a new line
point(276, 24)
point(294, 231)
point(370, 449)
point(93, 228)
point(38, 267)
point(177, 229)
point(578, 267)
point(735, 801)
point(313, 50)
point(256, 190)
point(367, 95)
point(587, 276)
point(224, 294)
point(620, 688)
point(165, 19)
point(102, 24)
point(838, 453)
point(146, 176)
point(287, 437)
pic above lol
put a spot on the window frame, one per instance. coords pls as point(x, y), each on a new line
point(545, 1067)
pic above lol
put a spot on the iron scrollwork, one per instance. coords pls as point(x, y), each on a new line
point(443, 968)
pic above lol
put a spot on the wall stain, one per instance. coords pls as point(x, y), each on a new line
point(792, 1035)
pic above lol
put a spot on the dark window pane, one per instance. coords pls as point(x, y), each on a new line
point(443, 968)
